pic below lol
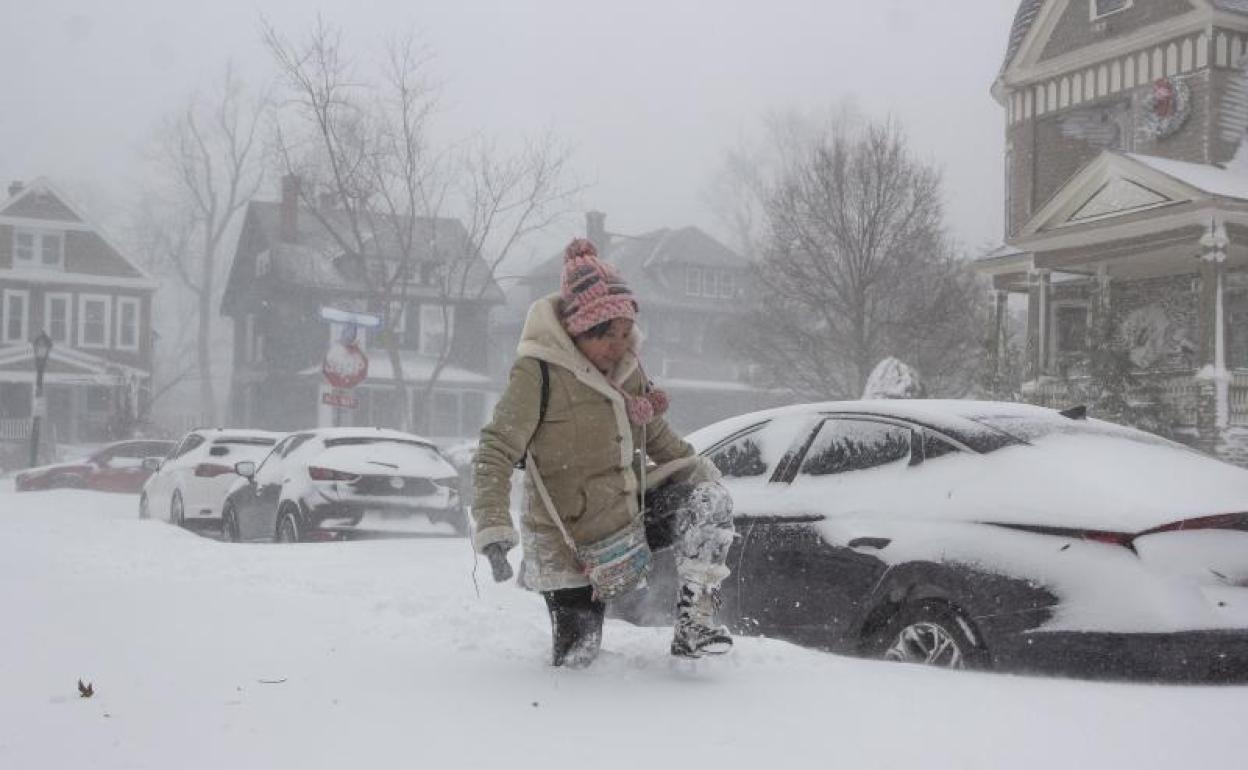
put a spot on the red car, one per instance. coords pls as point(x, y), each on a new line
point(116, 467)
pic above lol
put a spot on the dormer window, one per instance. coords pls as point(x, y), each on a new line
point(708, 282)
point(38, 249)
point(1102, 8)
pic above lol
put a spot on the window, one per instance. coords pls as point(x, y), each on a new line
point(740, 458)
point(192, 441)
point(32, 248)
point(16, 312)
point(94, 320)
point(437, 326)
point(935, 446)
point(693, 281)
point(855, 445)
point(445, 415)
point(127, 323)
point(56, 316)
point(1072, 328)
point(1102, 8)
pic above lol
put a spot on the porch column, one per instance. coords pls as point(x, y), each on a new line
point(1037, 323)
point(998, 333)
point(1213, 412)
point(1100, 308)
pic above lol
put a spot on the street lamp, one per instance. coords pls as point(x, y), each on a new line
point(43, 347)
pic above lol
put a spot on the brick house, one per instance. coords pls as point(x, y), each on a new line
point(1127, 199)
point(691, 288)
point(287, 267)
point(61, 275)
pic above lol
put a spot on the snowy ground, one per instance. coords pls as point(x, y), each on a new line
point(381, 654)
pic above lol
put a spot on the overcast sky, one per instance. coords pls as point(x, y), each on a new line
point(650, 93)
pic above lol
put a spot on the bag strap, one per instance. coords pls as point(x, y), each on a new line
point(531, 468)
point(541, 410)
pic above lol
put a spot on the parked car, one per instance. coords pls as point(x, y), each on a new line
point(980, 535)
point(117, 467)
point(327, 483)
point(190, 484)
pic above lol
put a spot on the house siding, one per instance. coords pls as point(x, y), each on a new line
point(1075, 29)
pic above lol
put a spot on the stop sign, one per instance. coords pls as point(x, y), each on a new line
point(345, 365)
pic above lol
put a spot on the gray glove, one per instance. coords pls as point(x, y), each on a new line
point(497, 554)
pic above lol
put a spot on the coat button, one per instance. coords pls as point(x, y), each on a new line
point(619, 439)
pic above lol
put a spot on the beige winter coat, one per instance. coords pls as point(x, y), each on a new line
point(583, 449)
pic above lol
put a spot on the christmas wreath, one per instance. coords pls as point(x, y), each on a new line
point(1166, 108)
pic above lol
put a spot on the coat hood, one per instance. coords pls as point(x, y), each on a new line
point(544, 338)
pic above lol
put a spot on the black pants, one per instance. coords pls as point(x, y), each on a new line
point(576, 625)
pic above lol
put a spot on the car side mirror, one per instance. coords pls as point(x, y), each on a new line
point(151, 464)
point(246, 469)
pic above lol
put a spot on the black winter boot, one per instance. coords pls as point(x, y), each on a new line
point(576, 626)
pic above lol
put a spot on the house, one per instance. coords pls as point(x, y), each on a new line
point(1126, 202)
point(691, 289)
point(59, 274)
point(288, 266)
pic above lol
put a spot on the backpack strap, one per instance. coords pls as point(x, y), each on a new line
point(541, 410)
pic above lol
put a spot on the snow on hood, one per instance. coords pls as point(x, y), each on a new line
point(385, 458)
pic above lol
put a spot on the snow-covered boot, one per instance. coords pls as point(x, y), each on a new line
point(575, 625)
point(696, 633)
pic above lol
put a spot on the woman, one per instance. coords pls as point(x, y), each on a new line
point(578, 354)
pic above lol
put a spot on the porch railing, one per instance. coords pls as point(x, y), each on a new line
point(15, 429)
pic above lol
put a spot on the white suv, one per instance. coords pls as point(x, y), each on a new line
point(190, 484)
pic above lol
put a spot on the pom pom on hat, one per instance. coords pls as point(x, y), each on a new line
point(592, 290)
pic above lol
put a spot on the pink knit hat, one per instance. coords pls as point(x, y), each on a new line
point(592, 290)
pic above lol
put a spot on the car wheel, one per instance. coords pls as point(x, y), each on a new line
point(932, 633)
point(288, 528)
point(177, 514)
point(145, 511)
point(68, 481)
point(229, 524)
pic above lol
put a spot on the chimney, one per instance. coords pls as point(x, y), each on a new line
point(596, 231)
point(15, 187)
point(289, 224)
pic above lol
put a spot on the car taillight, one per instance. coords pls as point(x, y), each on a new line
point(212, 470)
point(329, 474)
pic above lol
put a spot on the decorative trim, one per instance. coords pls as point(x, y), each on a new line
point(84, 280)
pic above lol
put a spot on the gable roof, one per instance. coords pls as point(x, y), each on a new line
point(639, 258)
point(41, 202)
point(1024, 17)
point(315, 259)
point(1030, 12)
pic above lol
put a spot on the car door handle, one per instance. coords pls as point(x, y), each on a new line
point(878, 543)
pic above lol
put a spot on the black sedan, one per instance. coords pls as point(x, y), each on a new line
point(980, 535)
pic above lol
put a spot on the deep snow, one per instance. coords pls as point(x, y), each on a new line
point(380, 654)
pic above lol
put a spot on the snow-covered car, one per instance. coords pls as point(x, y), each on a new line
point(327, 483)
point(116, 467)
point(980, 534)
point(188, 486)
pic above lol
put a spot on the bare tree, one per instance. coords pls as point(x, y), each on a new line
point(413, 219)
point(208, 166)
point(854, 261)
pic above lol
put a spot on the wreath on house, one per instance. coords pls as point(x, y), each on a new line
point(1166, 107)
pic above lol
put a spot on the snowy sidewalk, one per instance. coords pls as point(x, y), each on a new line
point(380, 654)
